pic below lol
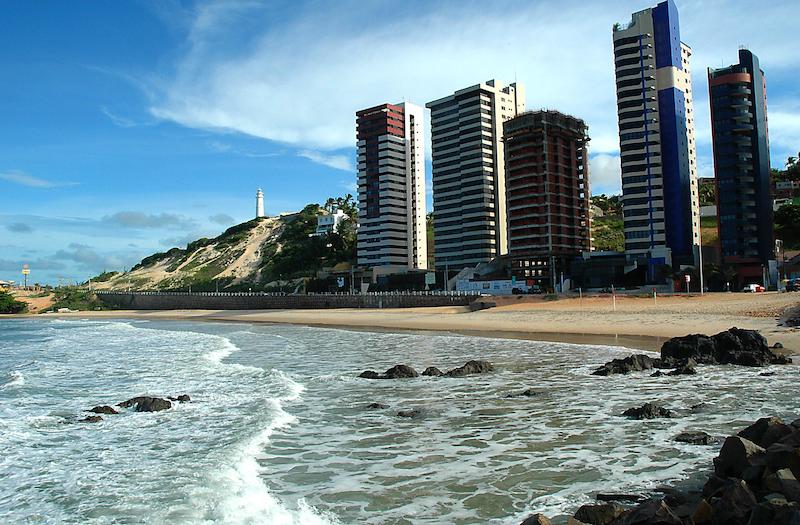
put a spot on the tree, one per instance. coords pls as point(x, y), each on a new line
point(9, 305)
point(787, 225)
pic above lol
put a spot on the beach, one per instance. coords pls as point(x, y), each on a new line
point(635, 322)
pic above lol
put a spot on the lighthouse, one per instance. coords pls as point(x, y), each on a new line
point(259, 204)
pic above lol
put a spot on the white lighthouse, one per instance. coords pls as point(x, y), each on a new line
point(259, 204)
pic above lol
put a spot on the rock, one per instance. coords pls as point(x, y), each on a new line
point(471, 367)
point(647, 411)
point(783, 456)
point(777, 345)
point(651, 512)
point(395, 372)
point(432, 371)
point(734, 507)
point(783, 482)
point(766, 431)
point(600, 514)
point(657, 373)
point(796, 424)
point(713, 486)
point(183, 398)
point(91, 419)
point(529, 392)
point(696, 438)
point(536, 519)
point(573, 521)
point(414, 413)
point(703, 513)
point(608, 496)
point(735, 346)
point(737, 455)
point(766, 374)
point(685, 368)
point(146, 404)
point(103, 409)
point(632, 363)
point(377, 406)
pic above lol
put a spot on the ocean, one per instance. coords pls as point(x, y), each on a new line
point(278, 430)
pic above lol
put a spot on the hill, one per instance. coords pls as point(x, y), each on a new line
point(253, 255)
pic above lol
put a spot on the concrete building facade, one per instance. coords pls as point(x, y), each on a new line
point(391, 186)
point(738, 101)
point(547, 190)
point(469, 193)
point(657, 142)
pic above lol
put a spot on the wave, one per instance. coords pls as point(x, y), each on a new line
point(16, 380)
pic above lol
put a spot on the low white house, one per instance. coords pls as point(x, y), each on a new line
point(330, 222)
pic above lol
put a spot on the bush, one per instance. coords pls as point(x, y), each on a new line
point(9, 305)
point(76, 299)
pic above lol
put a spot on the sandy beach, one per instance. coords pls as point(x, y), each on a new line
point(637, 322)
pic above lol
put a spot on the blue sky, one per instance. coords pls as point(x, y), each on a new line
point(130, 127)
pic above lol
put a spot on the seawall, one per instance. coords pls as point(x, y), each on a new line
point(266, 301)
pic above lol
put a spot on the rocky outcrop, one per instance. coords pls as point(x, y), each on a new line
point(696, 438)
point(632, 363)
point(395, 372)
point(684, 368)
point(470, 368)
point(146, 404)
point(183, 398)
point(528, 392)
point(647, 411)
point(377, 406)
point(432, 371)
point(599, 514)
point(412, 414)
point(735, 347)
point(536, 519)
point(103, 409)
point(91, 419)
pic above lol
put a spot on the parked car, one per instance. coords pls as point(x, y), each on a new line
point(753, 288)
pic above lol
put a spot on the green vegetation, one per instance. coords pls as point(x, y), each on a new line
point(9, 305)
point(610, 204)
point(608, 234)
point(790, 172)
point(707, 192)
point(75, 298)
point(787, 226)
point(103, 277)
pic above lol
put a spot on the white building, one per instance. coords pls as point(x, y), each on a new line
point(469, 191)
point(330, 222)
point(391, 186)
point(259, 204)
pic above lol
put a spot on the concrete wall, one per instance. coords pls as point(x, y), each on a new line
point(257, 301)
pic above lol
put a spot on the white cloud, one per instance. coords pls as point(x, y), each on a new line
point(605, 174)
point(23, 179)
point(300, 81)
point(122, 122)
point(339, 162)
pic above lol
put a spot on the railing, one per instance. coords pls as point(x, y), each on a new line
point(468, 293)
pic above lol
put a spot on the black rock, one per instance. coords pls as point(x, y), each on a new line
point(734, 507)
point(536, 519)
point(737, 455)
point(657, 373)
point(647, 411)
point(470, 368)
point(608, 496)
point(650, 513)
point(735, 346)
point(146, 404)
point(395, 372)
point(696, 438)
point(777, 345)
point(767, 374)
point(413, 413)
point(600, 514)
point(632, 363)
point(103, 409)
point(432, 371)
point(375, 406)
point(766, 431)
point(684, 368)
point(91, 419)
point(525, 393)
point(183, 398)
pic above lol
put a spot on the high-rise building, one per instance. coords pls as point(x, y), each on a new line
point(469, 194)
point(391, 186)
point(547, 189)
point(656, 136)
point(741, 164)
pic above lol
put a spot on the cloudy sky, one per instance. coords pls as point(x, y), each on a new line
point(131, 127)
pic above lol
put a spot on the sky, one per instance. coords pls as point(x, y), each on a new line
point(127, 128)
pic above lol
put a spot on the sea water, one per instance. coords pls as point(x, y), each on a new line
point(278, 430)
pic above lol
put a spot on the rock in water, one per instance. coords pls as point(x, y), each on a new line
point(414, 413)
point(735, 504)
point(433, 372)
point(183, 398)
point(471, 367)
point(652, 512)
point(766, 431)
point(684, 368)
point(632, 363)
point(647, 411)
point(103, 409)
point(377, 406)
point(736, 456)
point(146, 404)
point(91, 419)
point(536, 519)
point(528, 392)
point(695, 438)
point(601, 514)
point(395, 372)
point(735, 346)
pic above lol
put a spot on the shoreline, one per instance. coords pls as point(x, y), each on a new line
point(637, 323)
